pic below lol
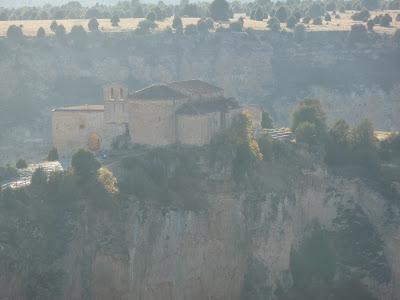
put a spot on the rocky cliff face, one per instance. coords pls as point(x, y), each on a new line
point(241, 246)
point(290, 231)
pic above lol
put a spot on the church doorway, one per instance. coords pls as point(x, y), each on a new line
point(94, 142)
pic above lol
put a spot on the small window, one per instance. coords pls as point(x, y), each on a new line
point(112, 93)
point(121, 93)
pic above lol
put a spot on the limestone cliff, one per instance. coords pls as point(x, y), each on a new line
point(242, 245)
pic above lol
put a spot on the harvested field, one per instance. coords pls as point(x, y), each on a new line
point(30, 27)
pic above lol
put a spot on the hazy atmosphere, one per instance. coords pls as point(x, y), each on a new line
point(164, 150)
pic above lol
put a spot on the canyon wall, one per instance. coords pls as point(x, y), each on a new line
point(218, 253)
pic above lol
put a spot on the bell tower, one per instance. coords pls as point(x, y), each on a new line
point(115, 114)
point(115, 106)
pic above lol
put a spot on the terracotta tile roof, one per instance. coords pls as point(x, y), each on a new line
point(158, 92)
point(84, 107)
point(197, 108)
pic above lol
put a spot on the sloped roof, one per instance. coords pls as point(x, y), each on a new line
point(84, 107)
point(158, 92)
point(195, 86)
point(197, 108)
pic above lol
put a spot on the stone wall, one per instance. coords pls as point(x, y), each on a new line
point(152, 122)
point(198, 129)
point(71, 129)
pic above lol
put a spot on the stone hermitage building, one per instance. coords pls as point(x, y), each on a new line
point(186, 112)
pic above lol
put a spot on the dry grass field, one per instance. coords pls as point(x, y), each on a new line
point(30, 27)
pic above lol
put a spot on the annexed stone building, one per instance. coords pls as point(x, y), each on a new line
point(187, 112)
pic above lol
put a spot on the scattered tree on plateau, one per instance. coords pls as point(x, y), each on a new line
point(219, 10)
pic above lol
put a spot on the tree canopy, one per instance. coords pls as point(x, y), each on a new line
point(219, 10)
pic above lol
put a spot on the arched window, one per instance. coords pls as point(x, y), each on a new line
point(112, 93)
point(121, 93)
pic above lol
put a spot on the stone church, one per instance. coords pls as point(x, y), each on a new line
point(186, 112)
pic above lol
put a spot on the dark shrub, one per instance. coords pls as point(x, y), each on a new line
point(328, 17)
point(115, 21)
point(306, 19)
point(317, 21)
point(274, 24)
point(191, 29)
point(93, 25)
point(21, 164)
point(291, 22)
point(370, 25)
point(41, 34)
point(53, 155)
point(363, 15)
point(358, 33)
point(14, 33)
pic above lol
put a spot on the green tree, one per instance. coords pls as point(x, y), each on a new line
point(309, 110)
point(307, 133)
point(84, 165)
point(370, 25)
point(328, 17)
point(371, 4)
point(21, 164)
point(191, 29)
point(306, 20)
point(396, 37)
point(93, 25)
point(364, 147)
point(60, 32)
point(291, 22)
point(317, 21)
point(146, 26)
point(300, 32)
point(53, 154)
point(237, 26)
point(7, 173)
point(257, 13)
point(190, 10)
point(41, 33)
point(78, 35)
point(274, 24)
point(316, 10)
point(151, 16)
point(362, 15)
point(115, 21)
point(358, 33)
point(204, 25)
point(339, 144)
point(266, 143)
point(281, 14)
point(219, 10)
point(385, 20)
point(266, 121)
point(177, 23)
point(363, 135)
point(53, 26)
point(331, 6)
point(14, 33)
point(39, 178)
